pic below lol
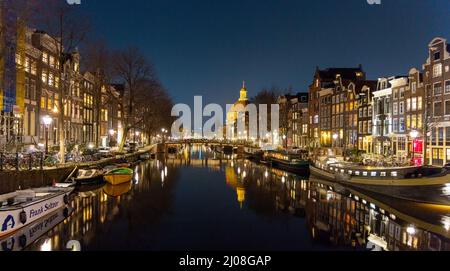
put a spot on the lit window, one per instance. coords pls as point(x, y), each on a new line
point(45, 57)
point(437, 70)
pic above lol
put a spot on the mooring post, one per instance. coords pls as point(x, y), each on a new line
point(17, 161)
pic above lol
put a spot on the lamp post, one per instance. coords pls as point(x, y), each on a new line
point(111, 136)
point(335, 138)
point(47, 120)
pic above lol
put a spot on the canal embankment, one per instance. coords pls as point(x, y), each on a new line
point(13, 180)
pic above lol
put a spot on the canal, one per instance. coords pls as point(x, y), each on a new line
point(199, 200)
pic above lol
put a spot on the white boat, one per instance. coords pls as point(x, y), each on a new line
point(21, 208)
point(32, 232)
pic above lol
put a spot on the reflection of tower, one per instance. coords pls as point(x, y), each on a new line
point(241, 195)
point(233, 181)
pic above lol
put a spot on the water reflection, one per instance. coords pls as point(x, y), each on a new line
point(195, 199)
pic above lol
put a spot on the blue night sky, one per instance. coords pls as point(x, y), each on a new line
point(206, 47)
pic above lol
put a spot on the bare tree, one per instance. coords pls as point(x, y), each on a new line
point(67, 28)
point(132, 69)
point(97, 59)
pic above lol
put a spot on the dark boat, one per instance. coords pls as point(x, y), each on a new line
point(295, 162)
point(89, 176)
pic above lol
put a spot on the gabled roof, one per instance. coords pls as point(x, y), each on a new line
point(345, 73)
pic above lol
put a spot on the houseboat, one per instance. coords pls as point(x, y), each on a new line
point(348, 173)
point(295, 162)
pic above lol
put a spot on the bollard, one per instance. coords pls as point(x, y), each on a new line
point(17, 161)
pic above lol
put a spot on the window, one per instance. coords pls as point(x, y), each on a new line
point(32, 89)
point(401, 127)
point(419, 103)
point(360, 127)
point(413, 87)
point(44, 76)
point(437, 89)
point(402, 93)
point(45, 57)
point(316, 119)
point(395, 109)
point(419, 122)
point(447, 107)
point(447, 138)
point(437, 70)
point(401, 143)
point(33, 68)
point(437, 56)
point(408, 105)
point(27, 64)
point(395, 94)
point(369, 126)
point(401, 108)
point(441, 136)
point(414, 104)
point(43, 99)
point(50, 79)
point(27, 88)
point(447, 86)
point(413, 122)
point(370, 111)
point(52, 61)
point(437, 109)
point(408, 122)
point(395, 128)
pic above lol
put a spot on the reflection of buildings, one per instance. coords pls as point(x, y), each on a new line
point(352, 221)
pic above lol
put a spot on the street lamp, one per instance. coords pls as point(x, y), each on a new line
point(47, 120)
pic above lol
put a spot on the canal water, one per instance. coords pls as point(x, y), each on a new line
point(199, 200)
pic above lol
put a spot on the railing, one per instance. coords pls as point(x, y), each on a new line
point(21, 161)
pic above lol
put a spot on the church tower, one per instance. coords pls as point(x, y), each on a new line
point(243, 94)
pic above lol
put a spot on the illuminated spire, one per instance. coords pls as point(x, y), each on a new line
point(243, 94)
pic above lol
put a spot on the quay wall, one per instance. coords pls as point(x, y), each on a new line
point(11, 181)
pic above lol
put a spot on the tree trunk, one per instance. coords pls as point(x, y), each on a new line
point(126, 130)
point(62, 135)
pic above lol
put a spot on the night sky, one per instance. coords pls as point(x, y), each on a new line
point(206, 47)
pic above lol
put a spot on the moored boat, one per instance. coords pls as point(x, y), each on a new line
point(145, 156)
point(117, 190)
point(394, 176)
point(118, 176)
point(89, 176)
point(295, 162)
point(22, 208)
point(28, 234)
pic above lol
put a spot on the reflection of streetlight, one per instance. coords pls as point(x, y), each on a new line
point(112, 132)
point(47, 122)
